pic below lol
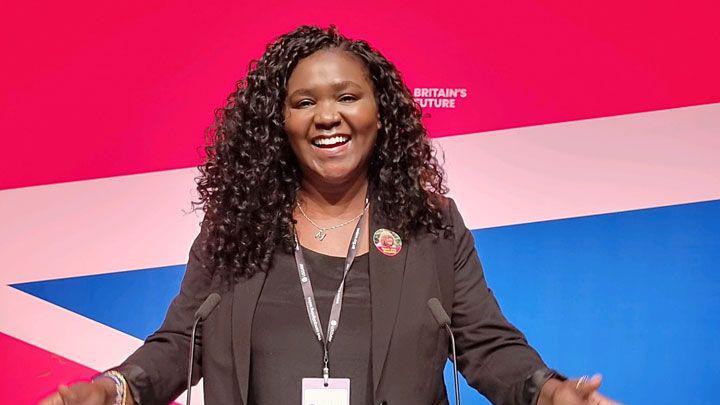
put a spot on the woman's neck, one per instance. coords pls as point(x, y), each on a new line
point(331, 200)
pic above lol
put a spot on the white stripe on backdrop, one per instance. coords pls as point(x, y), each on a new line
point(498, 178)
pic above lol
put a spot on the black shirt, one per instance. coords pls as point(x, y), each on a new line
point(284, 349)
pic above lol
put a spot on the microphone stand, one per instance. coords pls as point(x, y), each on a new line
point(203, 311)
point(443, 320)
point(454, 363)
point(190, 360)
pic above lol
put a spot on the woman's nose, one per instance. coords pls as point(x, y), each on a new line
point(326, 115)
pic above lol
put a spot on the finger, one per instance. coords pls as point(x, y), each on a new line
point(586, 387)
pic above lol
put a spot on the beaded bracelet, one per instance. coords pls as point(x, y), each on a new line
point(121, 386)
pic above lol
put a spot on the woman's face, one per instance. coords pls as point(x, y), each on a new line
point(331, 117)
point(387, 240)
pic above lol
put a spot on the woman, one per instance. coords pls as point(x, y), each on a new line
point(322, 197)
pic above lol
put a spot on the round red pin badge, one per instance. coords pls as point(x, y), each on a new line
point(387, 242)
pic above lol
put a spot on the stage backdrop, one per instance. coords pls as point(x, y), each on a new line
point(581, 139)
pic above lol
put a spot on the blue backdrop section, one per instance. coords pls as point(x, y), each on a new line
point(633, 295)
point(134, 302)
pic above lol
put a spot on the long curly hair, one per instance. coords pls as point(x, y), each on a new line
point(250, 179)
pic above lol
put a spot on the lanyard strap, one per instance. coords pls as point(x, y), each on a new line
point(309, 295)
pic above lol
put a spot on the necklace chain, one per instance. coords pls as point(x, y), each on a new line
point(320, 235)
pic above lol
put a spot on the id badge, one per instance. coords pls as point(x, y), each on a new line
point(314, 391)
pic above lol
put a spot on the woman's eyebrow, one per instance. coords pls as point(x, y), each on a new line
point(300, 92)
point(335, 86)
point(345, 84)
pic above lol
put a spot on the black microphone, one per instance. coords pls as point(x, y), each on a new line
point(443, 320)
point(200, 315)
point(207, 306)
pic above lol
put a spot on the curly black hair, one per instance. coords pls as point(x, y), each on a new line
point(250, 179)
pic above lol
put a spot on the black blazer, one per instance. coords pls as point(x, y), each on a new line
point(408, 349)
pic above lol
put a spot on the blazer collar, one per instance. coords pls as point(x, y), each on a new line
point(245, 298)
point(386, 278)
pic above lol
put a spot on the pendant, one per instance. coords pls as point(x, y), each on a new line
point(320, 235)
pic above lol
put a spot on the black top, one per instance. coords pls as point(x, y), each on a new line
point(284, 349)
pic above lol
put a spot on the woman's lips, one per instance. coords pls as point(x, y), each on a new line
point(330, 141)
point(333, 149)
point(331, 145)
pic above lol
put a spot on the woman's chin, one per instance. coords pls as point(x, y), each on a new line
point(336, 177)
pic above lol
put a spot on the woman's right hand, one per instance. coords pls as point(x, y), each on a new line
point(99, 392)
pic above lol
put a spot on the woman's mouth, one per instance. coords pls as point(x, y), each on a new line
point(329, 142)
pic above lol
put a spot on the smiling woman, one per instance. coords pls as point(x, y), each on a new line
point(318, 121)
point(319, 154)
point(331, 117)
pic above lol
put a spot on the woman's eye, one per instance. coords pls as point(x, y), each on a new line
point(348, 97)
point(304, 103)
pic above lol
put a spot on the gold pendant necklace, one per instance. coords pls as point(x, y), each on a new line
point(321, 233)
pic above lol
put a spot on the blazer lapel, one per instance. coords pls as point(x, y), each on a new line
point(386, 278)
point(245, 298)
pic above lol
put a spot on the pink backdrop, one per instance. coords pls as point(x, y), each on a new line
point(97, 89)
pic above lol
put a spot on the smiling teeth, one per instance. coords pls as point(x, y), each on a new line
point(330, 141)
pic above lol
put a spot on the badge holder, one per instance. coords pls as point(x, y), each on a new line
point(315, 392)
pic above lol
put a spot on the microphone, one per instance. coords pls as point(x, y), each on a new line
point(443, 320)
point(207, 306)
point(200, 315)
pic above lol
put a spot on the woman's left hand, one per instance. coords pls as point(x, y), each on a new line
point(574, 392)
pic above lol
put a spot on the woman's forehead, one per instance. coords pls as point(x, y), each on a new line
point(329, 68)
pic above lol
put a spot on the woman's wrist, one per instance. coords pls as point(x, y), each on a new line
point(108, 386)
point(547, 392)
point(115, 387)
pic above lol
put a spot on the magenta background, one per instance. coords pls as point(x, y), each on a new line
point(94, 89)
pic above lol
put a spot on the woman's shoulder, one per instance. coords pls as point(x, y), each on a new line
point(448, 209)
point(447, 224)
